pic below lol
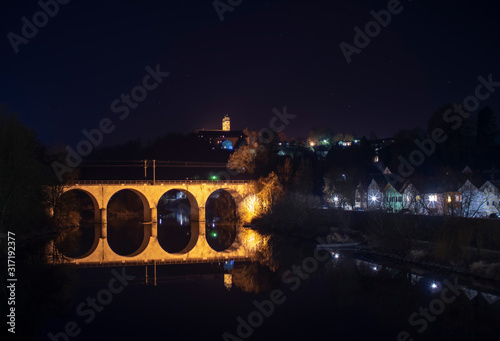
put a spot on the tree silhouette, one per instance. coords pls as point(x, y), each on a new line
point(24, 176)
point(486, 128)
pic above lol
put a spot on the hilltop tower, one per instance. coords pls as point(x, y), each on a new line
point(224, 138)
point(226, 124)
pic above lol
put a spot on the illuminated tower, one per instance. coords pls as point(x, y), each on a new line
point(226, 124)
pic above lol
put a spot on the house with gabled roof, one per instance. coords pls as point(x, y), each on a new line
point(393, 199)
point(375, 196)
point(464, 194)
point(411, 198)
point(471, 200)
point(489, 197)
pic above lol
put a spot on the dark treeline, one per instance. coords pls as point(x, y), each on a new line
point(42, 290)
point(471, 141)
point(172, 146)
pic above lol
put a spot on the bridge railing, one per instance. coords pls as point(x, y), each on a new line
point(157, 182)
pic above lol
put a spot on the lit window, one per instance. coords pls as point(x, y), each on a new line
point(433, 197)
point(417, 197)
point(449, 198)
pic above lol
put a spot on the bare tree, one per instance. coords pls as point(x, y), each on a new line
point(341, 185)
point(474, 200)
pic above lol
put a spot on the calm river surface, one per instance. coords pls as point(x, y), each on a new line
point(293, 293)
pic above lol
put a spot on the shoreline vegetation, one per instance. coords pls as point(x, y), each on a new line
point(462, 245)
point(125, 214)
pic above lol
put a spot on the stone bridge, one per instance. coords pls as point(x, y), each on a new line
point(196, 191)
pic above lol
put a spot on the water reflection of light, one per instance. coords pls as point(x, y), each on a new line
point(228, 281)
point(253, 240)
point(182, 218)
point(228, 264)
point(435, 286)
point(415, 279)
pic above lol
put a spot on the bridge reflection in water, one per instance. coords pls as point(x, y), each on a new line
point(350, 296)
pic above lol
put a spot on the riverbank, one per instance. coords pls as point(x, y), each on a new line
point(465, 246)
point(481, 264)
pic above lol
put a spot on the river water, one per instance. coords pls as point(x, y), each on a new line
point(294, 292)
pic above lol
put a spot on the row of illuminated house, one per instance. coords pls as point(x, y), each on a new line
point(459, 195)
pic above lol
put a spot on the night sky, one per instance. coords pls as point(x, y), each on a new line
point(263, 55)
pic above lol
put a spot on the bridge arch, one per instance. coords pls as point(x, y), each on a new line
point(97, 213)
point(177, 234)
point(221, 216)
point(146, 202)
point(227, 196)
point(236, 197)
point(145, 229)
point(195, 209)
point(87, 237)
